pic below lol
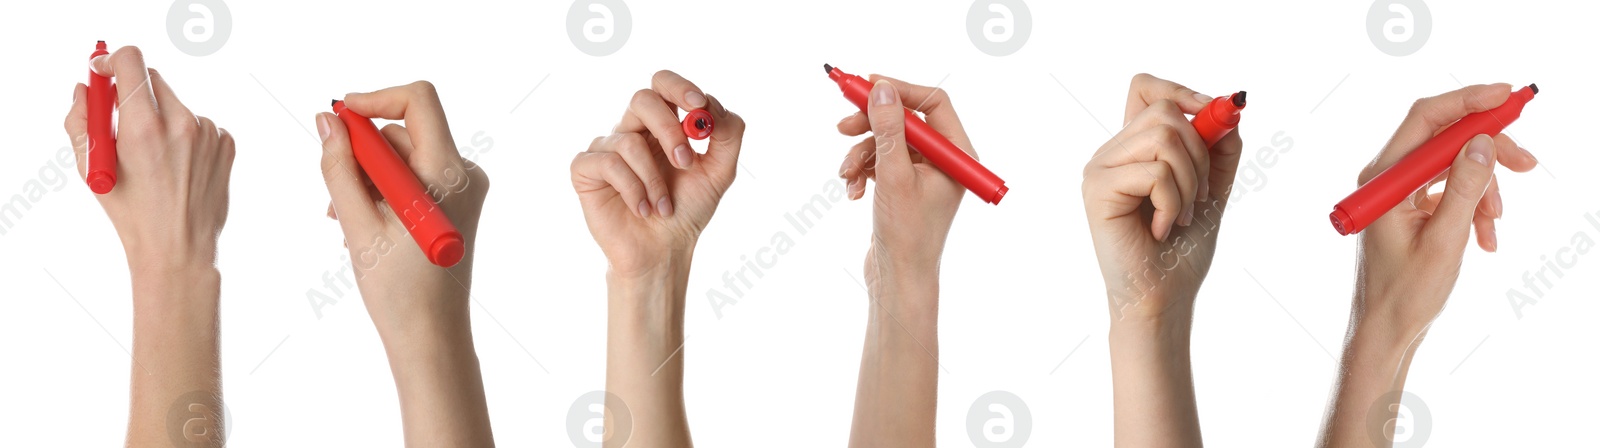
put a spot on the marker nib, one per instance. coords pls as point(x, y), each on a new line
point(1534, 88)
point(827, 68)
point(334, 103)
point(1238, 99)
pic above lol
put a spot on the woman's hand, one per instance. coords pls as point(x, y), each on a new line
point(173, 167)
point(912, 209)
point(168, 208)
point(1411, 257)
point(1155, 195)
point(645, 193)
point(421, 310)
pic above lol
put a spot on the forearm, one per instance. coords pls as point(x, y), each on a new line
point(645, 353)
point(175, 357)
point(1377, 357)
point(897, 390)
point(436, 374)
point(1152, 385)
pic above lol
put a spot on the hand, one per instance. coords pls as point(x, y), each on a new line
point(168, 208)
point(1411, 256)
point(914, 203)
point(173, 168)
point(1155, 195)
point(912, 209)
point(397, 282)
point(421, 310)
point(645, 194)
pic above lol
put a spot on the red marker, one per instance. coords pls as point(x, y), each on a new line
point(423, 218)
point(102, 154)
point(928, 142)
point(1218, 118)
point(1422, 165)
point(698, 124)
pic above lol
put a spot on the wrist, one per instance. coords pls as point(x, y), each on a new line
point(175, 286)
point(647, 306)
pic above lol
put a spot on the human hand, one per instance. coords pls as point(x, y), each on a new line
point(1411, 256)
point(397, 281)
point(646, 195)
point(1155, 195)
point(914, 203)
point(172, 198)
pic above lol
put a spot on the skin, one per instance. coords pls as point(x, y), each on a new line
point(168, 208)
point(1155, 196)
point(912, 209)
point(1410, 259)
point(421, 311)
point(647, 197)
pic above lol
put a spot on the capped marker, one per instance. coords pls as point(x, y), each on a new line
point(101, 170)
point(422, 217)
point(933, 146)
point(1420, 166)
point(1218, 118)
point(698, 124)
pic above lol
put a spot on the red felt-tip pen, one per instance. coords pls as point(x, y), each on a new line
point(928, 142)
point(698, 124)
point(1422, 165)
point(101, 173)
point(1218, 118)
point(423, 218)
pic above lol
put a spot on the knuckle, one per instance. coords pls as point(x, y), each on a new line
point(424, 90)
point(642, 97)
point(186, 128)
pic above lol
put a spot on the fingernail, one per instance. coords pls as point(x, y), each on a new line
point(694, 100)
point(1494, 242)
point(1188, 215)
point(842, 120)
point(644, 208)
point(857, 188)
point(1202, 98)
point(322, 126)
point(882, 93)
point(684, 155)
point(1480, 149)
point(1205, 192)
point(844, 168)
point(665, 206)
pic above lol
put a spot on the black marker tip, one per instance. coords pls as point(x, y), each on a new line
point(827, 68)
point(1534, 87)
point(1238, 99)
point(700, 123)
point(334, 103)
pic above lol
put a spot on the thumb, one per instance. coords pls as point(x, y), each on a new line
point(352, 203)
point(1469, 177)
point(888, 117)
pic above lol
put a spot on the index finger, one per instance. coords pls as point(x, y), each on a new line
point(935, 105)
point(1146, 89)
point(418, 104)
point(136, 102)
point(677, 90)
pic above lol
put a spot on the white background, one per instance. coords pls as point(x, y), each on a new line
point(1021, 291)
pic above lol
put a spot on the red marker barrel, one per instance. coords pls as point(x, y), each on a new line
point(427, 223)
point(101, 174)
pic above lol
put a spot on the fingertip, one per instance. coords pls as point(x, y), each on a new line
point(883, 93)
